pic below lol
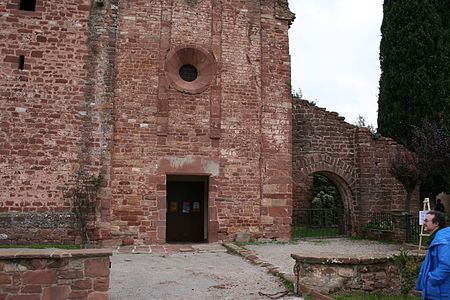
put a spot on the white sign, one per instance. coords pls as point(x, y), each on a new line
point(422, 215)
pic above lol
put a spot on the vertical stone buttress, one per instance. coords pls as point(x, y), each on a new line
point(276, 116)
point(97, 124)
point(164, 46)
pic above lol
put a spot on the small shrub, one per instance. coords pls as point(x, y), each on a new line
point(409, 267)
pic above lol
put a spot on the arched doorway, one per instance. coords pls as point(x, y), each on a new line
point(322, 206)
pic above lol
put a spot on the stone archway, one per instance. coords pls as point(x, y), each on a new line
point(339, 173)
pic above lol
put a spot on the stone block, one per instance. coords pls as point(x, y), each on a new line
point(96, 267)
point(266, 220)
point(78, 294)
point(70, 274)
point(5, 278)
point(346, 272)
point(31, 289)
point(82, 284)
point(98, 296)
point(40, 277)
point(56, 293)
point(25, 297)
point(101, 284)
point(243, 237)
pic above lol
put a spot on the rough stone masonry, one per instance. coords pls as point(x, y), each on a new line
point(105, 103)
point(92, 87)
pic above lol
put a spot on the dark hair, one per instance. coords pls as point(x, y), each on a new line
point(438, 218)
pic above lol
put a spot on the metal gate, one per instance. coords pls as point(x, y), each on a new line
point(318, 223)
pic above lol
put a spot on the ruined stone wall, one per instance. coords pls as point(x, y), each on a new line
point(379, 189)
point(357, 163)
point(348, 274)
point(323, 143)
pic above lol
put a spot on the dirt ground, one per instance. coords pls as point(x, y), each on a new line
point(207, 271)
point(190, 275)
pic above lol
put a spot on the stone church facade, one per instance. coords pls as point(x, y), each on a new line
point(163, 121)
point(153, 97)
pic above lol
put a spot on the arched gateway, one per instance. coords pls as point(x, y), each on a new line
point(342, 214)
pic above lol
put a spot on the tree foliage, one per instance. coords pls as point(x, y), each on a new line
point(325, 193)
point(415, 67)
point(429, 165)
point(407, 168)
point(432, 146)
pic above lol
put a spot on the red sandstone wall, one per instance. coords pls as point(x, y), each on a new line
point(234, 127)
point(56, 115)
point(379, 189)
point(94, 97)
point(41, 109)
point(40, 106)
point(357, 163)
point(53, 275)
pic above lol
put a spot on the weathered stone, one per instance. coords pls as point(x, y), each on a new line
point(56, 293)
point(5, 278)
point(243, 237)
point(96, 267)
point(40, 277)
point(332, 275)
point(237, 125)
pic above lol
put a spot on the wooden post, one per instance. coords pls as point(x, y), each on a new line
point(426, 207)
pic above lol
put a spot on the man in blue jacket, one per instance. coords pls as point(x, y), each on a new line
point(434, 276)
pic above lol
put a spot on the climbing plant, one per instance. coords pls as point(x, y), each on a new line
point(84, 195)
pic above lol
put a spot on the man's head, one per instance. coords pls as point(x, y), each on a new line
point(433, 221)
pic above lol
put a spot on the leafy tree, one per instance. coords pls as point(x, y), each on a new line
point(428, 166)
point(326, 195)
point(415, 85)
point(407, 168)
point(415, 67)
point(432, 146)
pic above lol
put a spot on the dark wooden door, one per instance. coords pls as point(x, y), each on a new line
point(185, 211)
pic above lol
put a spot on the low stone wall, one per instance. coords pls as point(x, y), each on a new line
point(329, 275)
point(53, 274)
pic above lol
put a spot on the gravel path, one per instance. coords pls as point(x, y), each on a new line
point(210, 273)
point(207, 275)
point(280, 254)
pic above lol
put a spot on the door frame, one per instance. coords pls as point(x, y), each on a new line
point(194, 178)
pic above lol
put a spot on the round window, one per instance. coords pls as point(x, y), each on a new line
point(188, 73)
point(190, 68)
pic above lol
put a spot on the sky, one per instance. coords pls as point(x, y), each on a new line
point(334, 47)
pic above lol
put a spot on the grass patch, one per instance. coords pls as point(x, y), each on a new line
point(42, 246)
point(287, 284)
point(375, 296)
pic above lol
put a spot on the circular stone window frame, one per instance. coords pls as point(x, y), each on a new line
point(193, 55)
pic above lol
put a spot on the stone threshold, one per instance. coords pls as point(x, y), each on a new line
point(168, 248)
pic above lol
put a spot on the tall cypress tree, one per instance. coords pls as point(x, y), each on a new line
point(415, 67)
